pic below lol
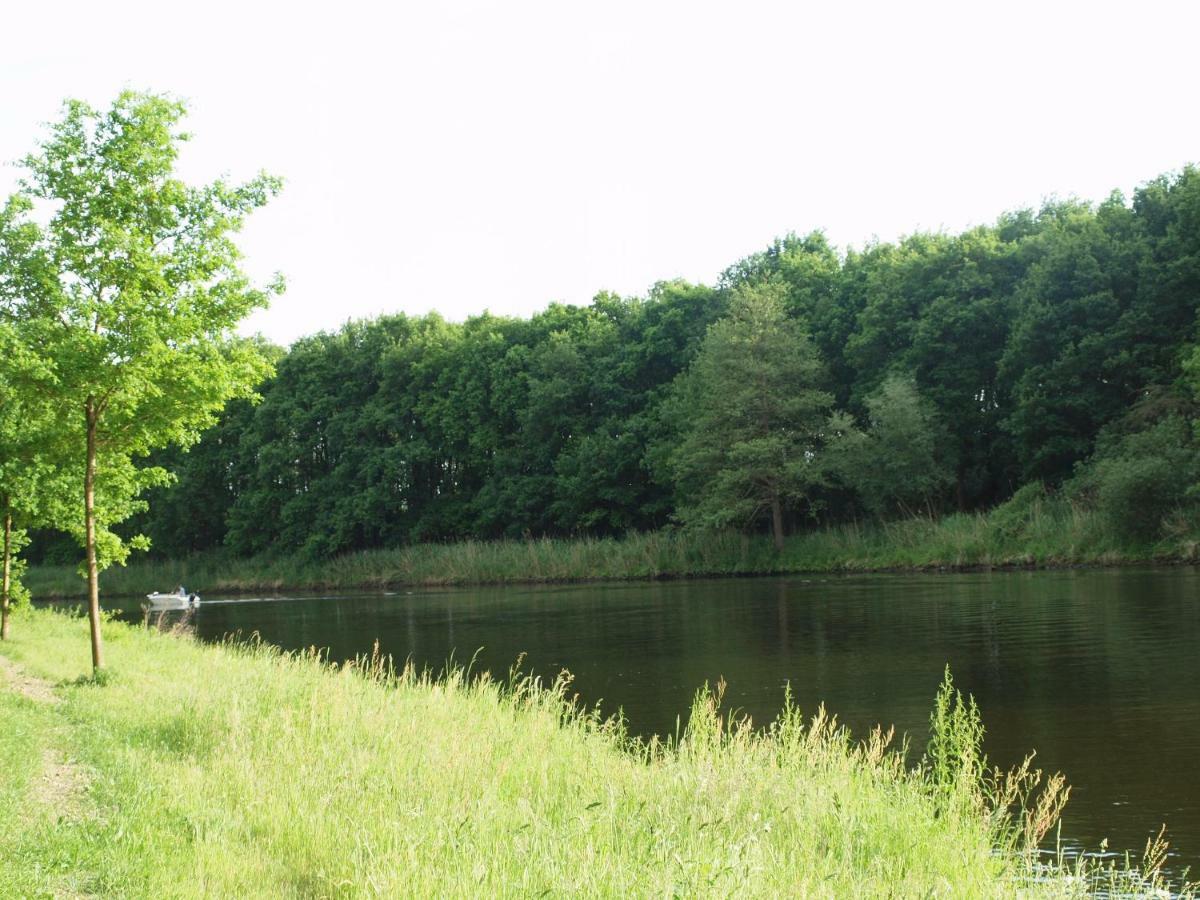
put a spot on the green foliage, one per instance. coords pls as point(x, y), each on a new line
point(33, 490)
point(954, 760)
point(899, 464)
point(125, 283)
point(1022, 343)
point(1014, 516)
point(1050, 531)
point(756, 419)
point(1137, 478)
point(406, 429)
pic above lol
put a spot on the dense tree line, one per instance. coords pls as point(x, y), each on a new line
point(943, 372)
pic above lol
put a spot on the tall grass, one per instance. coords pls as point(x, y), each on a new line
point(1044, 533)
point(239, 771)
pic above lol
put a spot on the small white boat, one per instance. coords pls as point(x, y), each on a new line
point(175, 600)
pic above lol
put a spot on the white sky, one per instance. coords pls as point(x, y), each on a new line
point(501, 155)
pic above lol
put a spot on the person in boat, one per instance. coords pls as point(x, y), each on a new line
point(181, 591)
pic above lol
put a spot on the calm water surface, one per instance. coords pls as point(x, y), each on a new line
point(1096, 670)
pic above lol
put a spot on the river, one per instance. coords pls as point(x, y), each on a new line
point(1096, 670)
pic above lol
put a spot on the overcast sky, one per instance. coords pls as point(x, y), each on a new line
point(501, 155)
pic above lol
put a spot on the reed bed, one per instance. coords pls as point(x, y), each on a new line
point(1051, 533)
point(236, 770)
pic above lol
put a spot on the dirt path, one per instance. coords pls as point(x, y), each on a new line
point(62, 784)
point(14, 675)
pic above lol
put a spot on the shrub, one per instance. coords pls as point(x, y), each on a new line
point(1011, 518)
point(1135, 480)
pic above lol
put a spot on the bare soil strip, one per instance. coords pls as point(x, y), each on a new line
point(25, 684)
point(62, 784)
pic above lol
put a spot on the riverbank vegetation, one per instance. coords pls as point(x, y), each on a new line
point(192, 770)
point(838, 398)
point(1029, 531)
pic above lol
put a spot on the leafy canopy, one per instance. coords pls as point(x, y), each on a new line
point(900, 464)
point(125, 284)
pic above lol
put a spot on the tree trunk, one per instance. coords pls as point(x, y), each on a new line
point(6, 588)
point(777, 520)
point(89, 521)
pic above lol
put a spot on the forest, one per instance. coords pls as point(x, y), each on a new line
point(1051, 353)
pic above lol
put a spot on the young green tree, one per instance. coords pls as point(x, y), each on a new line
point(904, 460)
point(126, 284)
point(754, 419)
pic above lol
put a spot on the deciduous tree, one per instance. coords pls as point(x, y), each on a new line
point(126, 283)
point(903, 461)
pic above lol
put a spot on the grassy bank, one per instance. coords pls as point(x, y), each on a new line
point(231, 771)
point(1043, 534)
